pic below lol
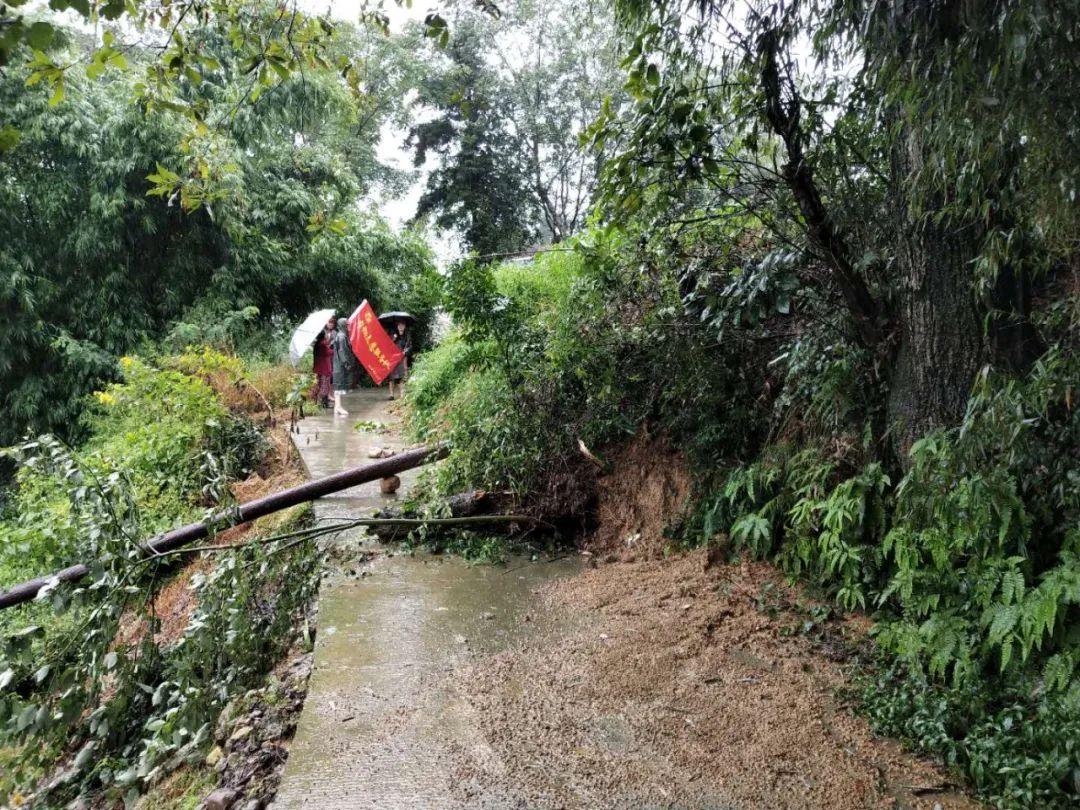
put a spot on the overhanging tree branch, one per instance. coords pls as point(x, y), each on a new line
point(784, 118)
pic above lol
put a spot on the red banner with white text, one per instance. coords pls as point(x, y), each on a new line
point(373, 347)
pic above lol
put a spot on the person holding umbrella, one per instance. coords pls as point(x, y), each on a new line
point(316, 333)
point(397, 324)
point(323, 350)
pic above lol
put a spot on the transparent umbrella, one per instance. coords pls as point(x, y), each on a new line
point(306, 332)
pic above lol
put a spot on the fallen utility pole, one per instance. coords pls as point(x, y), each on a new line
point(310, 491)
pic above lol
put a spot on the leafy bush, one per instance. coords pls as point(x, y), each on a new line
point(985, 546)
point(798, 510)
point(132, 709)
point(484, 370)
point(974, 554)
point(254, 388)
point(160, 453)
point(247, 617)
point(82, 672)
point(492, 453)
point(973, 561)
point(1019, 751)
point(274, 382)
point(205, 361)
point(208, 323)
point(573, 345)
point(157, 435)
point(434, 377)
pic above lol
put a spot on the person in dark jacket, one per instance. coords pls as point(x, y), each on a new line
point(401, 371)
point(342, 366)
point(324, 362)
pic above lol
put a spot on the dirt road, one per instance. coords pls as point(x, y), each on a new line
point(679, 687)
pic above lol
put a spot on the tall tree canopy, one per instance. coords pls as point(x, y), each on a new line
point(116, 225)
point(479, 186)
point(920, 153)
point(512, 97)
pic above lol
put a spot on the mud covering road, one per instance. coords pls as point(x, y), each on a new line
point(640, 683)
point(677, 687)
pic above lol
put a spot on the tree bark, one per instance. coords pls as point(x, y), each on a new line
point(941, 347)
point(943, 340)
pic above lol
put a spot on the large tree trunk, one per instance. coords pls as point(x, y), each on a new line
point(943, 339)
point(940, 349)
point(940, 333)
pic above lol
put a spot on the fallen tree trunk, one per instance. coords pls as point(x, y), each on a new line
point(398, 528)
point(467, 510)
point(177, 538)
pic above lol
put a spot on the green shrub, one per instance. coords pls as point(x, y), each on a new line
point(136, 709)
point(161, 448)
point(798, 510)
point(973, 562)
point(573, 345)
point(1017, 749)
point(152, 425)
point(975, 555)
point(242, 385)
point(985, 547)
point(487, 452)
point(493, 366)
point(160, 436)
point(436, 374)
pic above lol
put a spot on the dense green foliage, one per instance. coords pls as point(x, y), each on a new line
point(82, 670)
point(270, 44)
point(164, 463)
point(1019, 751)
point(539, 362)
point(92, 266)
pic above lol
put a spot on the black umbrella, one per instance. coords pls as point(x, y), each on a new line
point(390, 318)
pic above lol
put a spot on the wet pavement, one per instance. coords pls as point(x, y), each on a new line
point(380, 725)
point(330, 444)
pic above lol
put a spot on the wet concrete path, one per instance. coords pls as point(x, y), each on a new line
point(380, 723)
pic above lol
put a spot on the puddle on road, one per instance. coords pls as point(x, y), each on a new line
point(380, 723)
